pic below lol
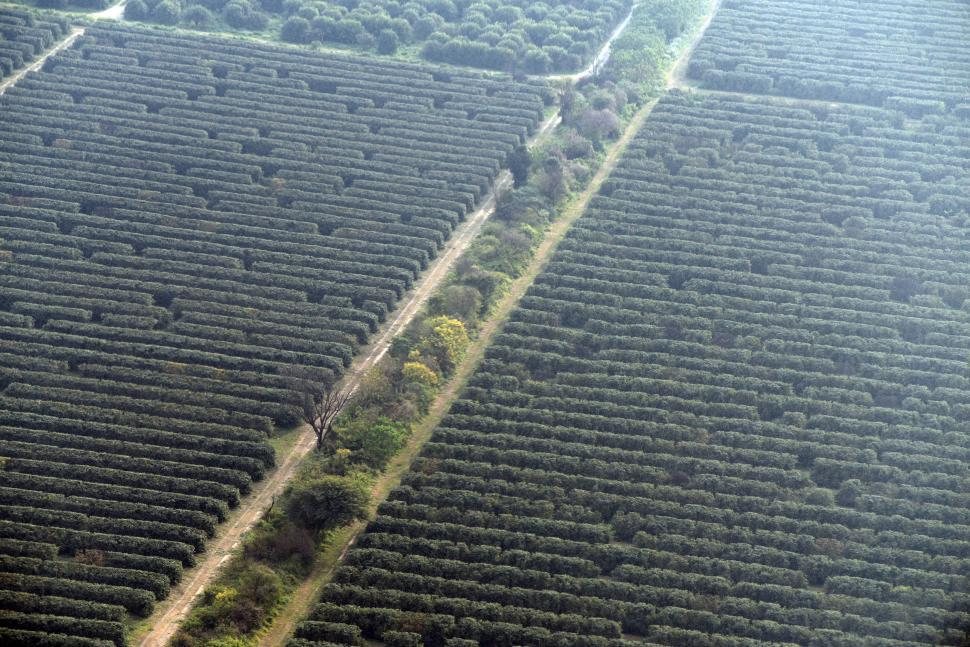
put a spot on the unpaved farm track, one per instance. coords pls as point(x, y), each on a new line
point(115, 12)
point(304, 597)
point(74, 34)
point(165, 621)
point(677, 79)
point(602, 56)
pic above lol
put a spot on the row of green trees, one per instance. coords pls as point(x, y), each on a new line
point(506, 36)
point(24, 35)
point(827, 55)
point(693, 425)
point(191, 229)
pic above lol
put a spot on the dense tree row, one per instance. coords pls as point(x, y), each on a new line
point(24, 35)
point(909, 55)
point(723, 415)
point(509, 35)
point(185, 226)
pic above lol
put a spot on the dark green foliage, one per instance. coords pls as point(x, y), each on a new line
point(166, 12)
point(858, 53)
point(326, 503)
point(519, 162)
point(59, 606)
point(197, 16)
point(373, 441)
point(184, 222)
point(512, 35)
point(277, 540)
point(136, 10)
point(402, 639)
point(24, 35)
point(724, 414)
point(41, 638)
point(640, 56)
point(236, 610)
point(295, 30)
point(387, 42)
point(244, 15)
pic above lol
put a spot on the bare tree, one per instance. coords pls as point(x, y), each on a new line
point(321, 401)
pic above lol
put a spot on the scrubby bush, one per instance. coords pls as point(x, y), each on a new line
point(373, 441)
point(295, 30)
point(326, 503)
point(387, 42)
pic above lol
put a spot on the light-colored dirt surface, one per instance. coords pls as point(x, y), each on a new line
point(114, 12)
point(305, 596)
point(677, 79)
point(164, 622)
point(602, 56)
point(8, 82)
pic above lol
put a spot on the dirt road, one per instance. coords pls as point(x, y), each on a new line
point(115, 12)
point(74, 34)
point(164, 622)
point(677, 79)
point(602, 56)
point(168, 614)
point(306, 594)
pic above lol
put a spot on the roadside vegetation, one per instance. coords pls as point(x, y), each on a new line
point(181, 230)
point(728, 413)
point(396, 395)
point(26, 35)
point(695, 383)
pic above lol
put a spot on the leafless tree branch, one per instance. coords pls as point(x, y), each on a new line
point(322, 401)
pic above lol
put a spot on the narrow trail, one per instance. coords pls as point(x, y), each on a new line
point(66, 42)
point(602, 56)
point(165, 621)
point(111, 13)
point(677, 78)
point(117, 12)
point(306, 594)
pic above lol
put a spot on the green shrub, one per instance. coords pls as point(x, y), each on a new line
point(327, 503)
point(373, 442)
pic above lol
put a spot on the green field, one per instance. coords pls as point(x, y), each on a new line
point(183, 222)
point(731, 410)
point(24, 35)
